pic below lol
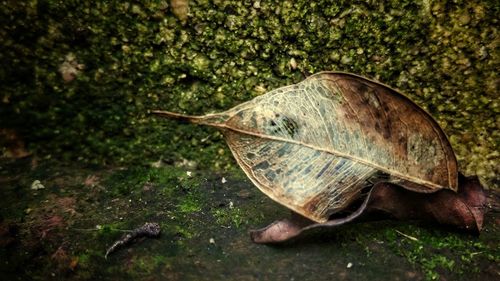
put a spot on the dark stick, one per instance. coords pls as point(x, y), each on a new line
point(149, 229)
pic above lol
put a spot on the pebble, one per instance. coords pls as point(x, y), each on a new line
point(293, 64)
point(36, 185)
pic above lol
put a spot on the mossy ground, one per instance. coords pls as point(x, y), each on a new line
point(63, 231)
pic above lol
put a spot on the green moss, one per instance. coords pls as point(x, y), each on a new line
point(433, 251)
point(84, 260)
point(436, 251)
point(145, 265)
point(190, 204)
point(169, 179)
point(138, 56)
point(230, 217)
point(185, 231)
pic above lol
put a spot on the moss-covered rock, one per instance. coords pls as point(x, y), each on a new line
point(79, 77)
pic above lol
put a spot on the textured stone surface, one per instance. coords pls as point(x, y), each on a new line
point(81, 76)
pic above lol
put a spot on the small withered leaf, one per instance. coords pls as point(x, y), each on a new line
point(463, 210)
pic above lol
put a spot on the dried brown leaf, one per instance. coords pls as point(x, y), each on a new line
point(464, 209)
point(315, 145)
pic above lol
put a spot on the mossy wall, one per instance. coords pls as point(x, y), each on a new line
point(78, 77)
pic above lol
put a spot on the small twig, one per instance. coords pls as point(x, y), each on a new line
point(96, 229)
point(476, 253)
point(407, 236)
point(149, 229)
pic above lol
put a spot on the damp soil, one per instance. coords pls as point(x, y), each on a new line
point(60, 228)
